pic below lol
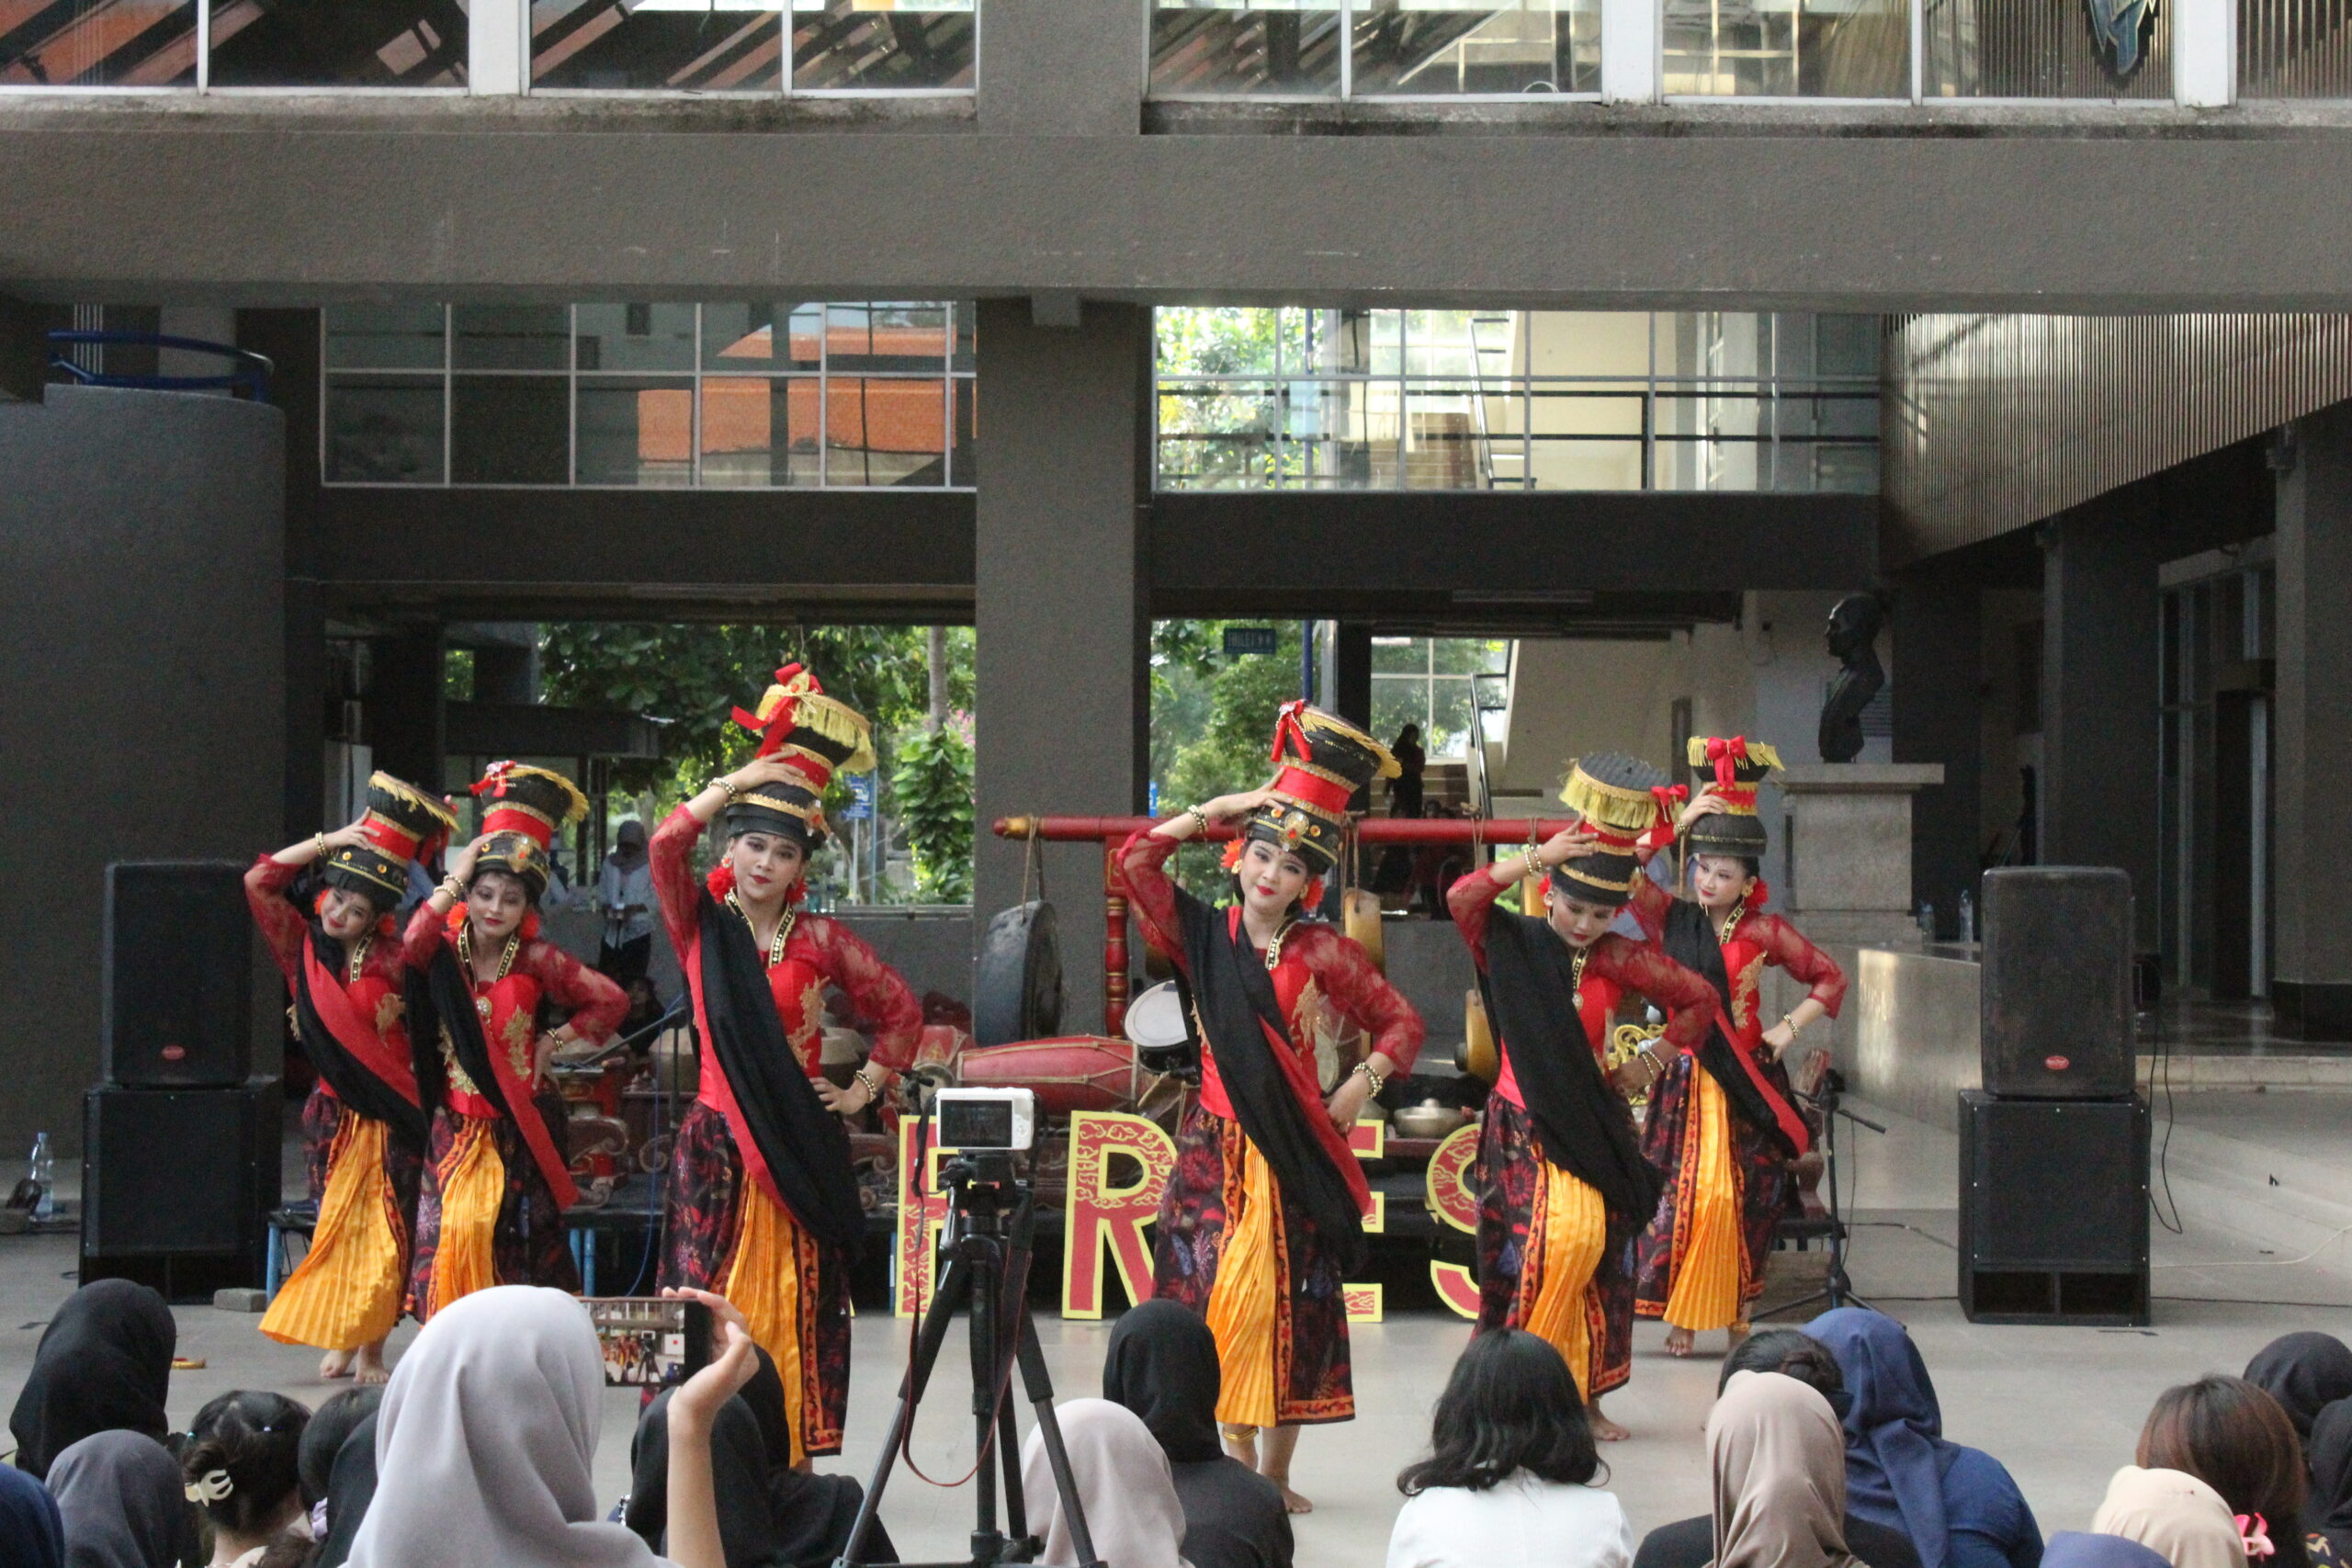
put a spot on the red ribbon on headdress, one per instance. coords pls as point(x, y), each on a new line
point(494, 778)
point(1727, 755)
point(778, 723)
point(1287, 727)
point(1669, 799)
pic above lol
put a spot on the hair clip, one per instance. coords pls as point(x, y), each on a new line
point(2254, 1534)
point(215, 1487)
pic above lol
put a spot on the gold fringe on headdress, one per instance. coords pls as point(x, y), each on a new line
point(829, 716)
point(490, 787)
point(1608, 805)
point(431, 806)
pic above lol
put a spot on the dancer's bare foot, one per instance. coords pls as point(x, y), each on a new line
point(369, 1370)
point(1605, 1430)
point(1280, 1444)
point(335, 1364)
point(1291, 1500)
point(1679, 1341)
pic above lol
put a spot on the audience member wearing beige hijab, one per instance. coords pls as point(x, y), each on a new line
point(2173, 1514)
point(1124, 1485)
point(1777, 1457)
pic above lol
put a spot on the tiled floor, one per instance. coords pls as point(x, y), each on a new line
point(2060, 1407)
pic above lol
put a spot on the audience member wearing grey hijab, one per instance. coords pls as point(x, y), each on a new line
point(123, 1501)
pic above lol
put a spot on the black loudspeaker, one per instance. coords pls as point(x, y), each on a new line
point(177, 987)
point(177, 1184)
point(2053, 1210)
point(2058, 982)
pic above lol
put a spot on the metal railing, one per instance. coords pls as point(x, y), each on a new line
point(248, 372)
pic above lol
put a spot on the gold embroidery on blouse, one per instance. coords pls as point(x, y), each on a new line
point(1744, 992)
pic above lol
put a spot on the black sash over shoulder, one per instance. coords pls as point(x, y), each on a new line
point(1581, 1124)
point(1690, 941)
point(352, 1082)
point(1234, 997)
point(804, 1145)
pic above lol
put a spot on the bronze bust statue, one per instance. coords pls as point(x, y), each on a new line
point(1853, 642)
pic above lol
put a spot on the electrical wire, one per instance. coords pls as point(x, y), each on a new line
point(2164, 1153)
point(2262, 1262)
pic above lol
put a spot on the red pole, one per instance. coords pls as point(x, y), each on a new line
point(1370, 830)
point(1114, 945)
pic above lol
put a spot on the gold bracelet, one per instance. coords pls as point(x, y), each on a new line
point(1790, 1018)
point(1200, 817)
point(1376, 1080)
point(454, 888)
point(720, 780)
point(319, 844)
point(872, 1081)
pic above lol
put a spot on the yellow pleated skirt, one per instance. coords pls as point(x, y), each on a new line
point(1567, 1232)
point(473, 1186)
point(1705, 1293)
point(1242, 1312)
point(763, 1282)
point(349, 1288)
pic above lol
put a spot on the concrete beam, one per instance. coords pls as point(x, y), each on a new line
point(263, 201)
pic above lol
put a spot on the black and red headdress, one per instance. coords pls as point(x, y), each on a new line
point(403, 822)
point(1325, 761)
point(819, 736)
point(522, 807)
point(1621, 800)
point(1731, 767)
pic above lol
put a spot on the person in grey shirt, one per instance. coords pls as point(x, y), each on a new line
point(625, 893)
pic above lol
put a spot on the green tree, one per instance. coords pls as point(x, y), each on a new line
point(691, 676)
point(1213, 720)
point(933, 783)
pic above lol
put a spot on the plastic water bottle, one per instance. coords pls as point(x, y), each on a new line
point(1967, 917)
point(44, 1171)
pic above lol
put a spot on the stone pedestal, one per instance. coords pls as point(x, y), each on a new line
point(1845, 864)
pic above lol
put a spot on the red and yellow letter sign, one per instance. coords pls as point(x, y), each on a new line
point(1454, 1203)
point(1102, 1215)
point(918, 1223)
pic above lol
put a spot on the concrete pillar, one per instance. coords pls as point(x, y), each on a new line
point(1938, 634)
point(2099, 691)
point(404, 705)
point(1061, 607)
point(140, 580)
point(2311, 992)
point(1071, 68)
point(291, 341)
point(1351, 672)
point(24, 350)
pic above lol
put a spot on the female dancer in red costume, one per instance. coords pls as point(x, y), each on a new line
point(1262, 1217)
point(1722, 1126)
point(764, 1203)
point(1563, 1187)
point(481, 982)
point(362, 1133)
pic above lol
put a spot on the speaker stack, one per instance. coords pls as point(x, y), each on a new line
point(2054, 1149)
point(179, 1143)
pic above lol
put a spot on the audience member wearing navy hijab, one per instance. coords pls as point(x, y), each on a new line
point(31, 1536)
point(1957, 1504)
point(2083, 1549)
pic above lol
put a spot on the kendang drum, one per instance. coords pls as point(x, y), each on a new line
point(1077, 1072)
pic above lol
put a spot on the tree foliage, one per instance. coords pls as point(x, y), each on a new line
point(692, 676)
point(1213, 719)
point(933, 785)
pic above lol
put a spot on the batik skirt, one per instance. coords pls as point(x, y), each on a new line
point(1683, 1120)
point(726, 1234)
point(485, 1215)
point(1524, 1242)
point(1281, 1310)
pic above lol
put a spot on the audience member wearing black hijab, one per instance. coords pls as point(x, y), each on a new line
point(1162, 1365)
point(2327, 1512)
point(104, 1365)
point(1691, 1544)
point(2305, 1374)
point(351, 1486)
point(770, 1515)
point(124, 1503)
point(31, 1536)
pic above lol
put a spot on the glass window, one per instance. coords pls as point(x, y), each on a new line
point(747, 337)
point(759, 431)
point(885, 431)
point(1434, 683)
point(852, 393)
point(1787, 48)
point(345, 43)
point(2023, 49)
point(387, 337)
point(636, 430)
point(1454, 400)
point(510, 337)
point(633, 337)
point(1475, 47)
point(510, 429)
point(98, 43)
point(709, 46)
point(383, 429)
point(1245, 48)
point(881, 45)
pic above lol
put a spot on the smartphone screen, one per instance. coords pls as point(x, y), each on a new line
point(649, 1342)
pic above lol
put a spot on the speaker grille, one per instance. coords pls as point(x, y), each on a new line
point(178, 985)
point(2057, 999)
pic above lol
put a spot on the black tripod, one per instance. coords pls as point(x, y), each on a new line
point(992, 1221)
point(1836, 1285)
